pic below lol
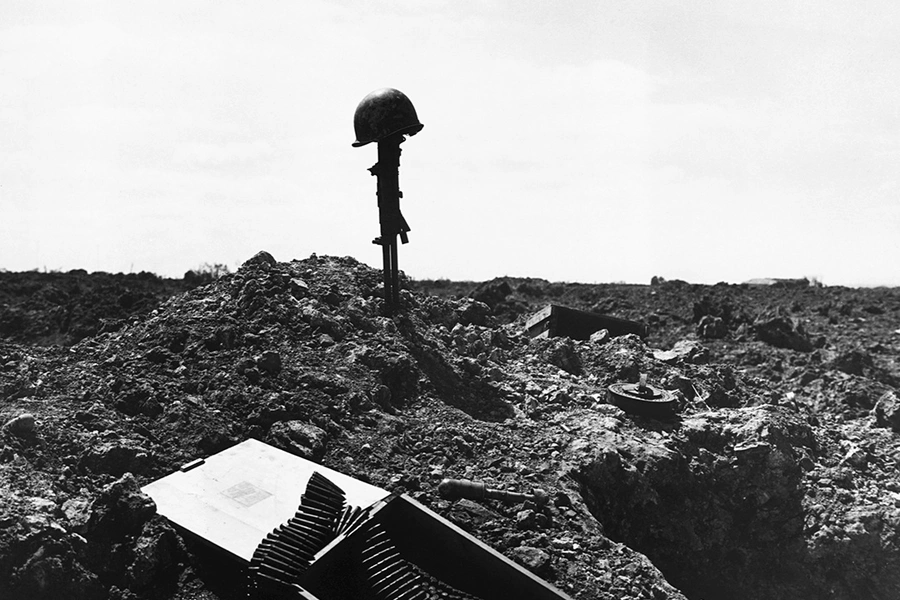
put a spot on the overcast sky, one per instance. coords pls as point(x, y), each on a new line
point(581, 141)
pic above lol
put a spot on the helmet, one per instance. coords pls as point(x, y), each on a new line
point(383, 113)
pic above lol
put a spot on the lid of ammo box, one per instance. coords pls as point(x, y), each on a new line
point(233, 499)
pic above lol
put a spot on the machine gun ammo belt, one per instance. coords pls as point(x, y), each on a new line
point(280, 561)
point(392, 577)
point(285, 554)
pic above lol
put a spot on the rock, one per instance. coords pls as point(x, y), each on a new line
point(77, 511)
point(244, 365)
point(472, 312)
point(116, 458)
point(599, 337)
point(120, 509)
point(469, 514)
point(525, 519)
point(270, 362)
point(333, 296)
point(51, 571)
point(562, 500)
point(534, 559)
point(304, 439)
point(299, 288)
point(852, 362)
point(118, 515)
point(139, 401)
point(222, 337)
point(711, 327)
point(158, 355)
point(470, 366)
point(887, 411)
point(252, 374)
point(45, 505)
point(855, 457)
point(213, 440)
point(21, 425)
point(259, 259)
point(492, 293)
point(495, 373)
point(381, 395)
point(687, 351)
point(751, 450)
point(401, 375)
point(783, 332)
point(719, 307)
point(156, 554)
point(561, 353)
point(311, 313)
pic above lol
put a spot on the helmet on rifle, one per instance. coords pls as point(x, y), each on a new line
point(384, 113)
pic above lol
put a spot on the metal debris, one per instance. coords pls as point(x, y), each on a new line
point(477, 490)
point(643, 399)
point(332, 548)
point(386, 116)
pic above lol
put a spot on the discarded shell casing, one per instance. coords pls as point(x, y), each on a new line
point(476, 490)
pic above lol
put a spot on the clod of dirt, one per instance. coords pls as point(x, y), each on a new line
point(685, 351)
point(119, 508)
point(887, 411)
point(21, 425)
point(783, 332)
point(712, 327)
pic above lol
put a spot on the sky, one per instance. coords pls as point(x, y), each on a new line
point(586, 140)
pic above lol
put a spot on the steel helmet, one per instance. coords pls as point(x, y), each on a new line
point(383, 113)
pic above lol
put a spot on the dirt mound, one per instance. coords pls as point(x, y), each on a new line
point(64, 308)
point(777, 479)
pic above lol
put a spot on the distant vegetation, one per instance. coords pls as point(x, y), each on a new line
point(206, 273)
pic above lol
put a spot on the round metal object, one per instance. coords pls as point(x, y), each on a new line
point(384, 113)
point(644, 400)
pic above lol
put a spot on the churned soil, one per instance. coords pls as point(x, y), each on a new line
point(64, 308)
point(777, 478)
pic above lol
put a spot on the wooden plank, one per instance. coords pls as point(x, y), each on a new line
point(539, 316)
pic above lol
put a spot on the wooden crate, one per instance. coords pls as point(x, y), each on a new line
point(560, 321)
point(234, 499)
point(437, 546)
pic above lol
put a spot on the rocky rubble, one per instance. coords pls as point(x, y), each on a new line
point(777, 479)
